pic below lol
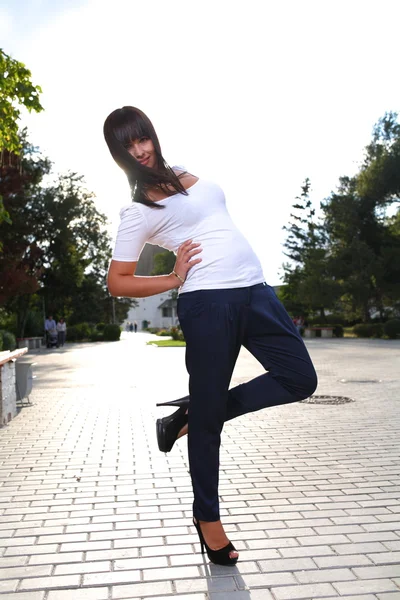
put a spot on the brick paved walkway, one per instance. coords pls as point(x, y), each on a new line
point(91, 510)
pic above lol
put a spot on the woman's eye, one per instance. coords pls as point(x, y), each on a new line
point(143, 139)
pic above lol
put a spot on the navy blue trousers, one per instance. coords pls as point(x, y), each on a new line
point(216, 323)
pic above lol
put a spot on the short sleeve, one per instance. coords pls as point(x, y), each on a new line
point(132, 234)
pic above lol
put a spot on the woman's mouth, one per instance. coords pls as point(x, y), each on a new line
point(144, 161)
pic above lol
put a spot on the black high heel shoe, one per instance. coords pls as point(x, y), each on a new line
point(218, 557)
point(182, 402)
point(169, 427)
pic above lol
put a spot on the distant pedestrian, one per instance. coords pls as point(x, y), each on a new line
point(131, 327)
point(61, 331)
point(50, 328)
point(50, 324)
point(135, 326)
point(299, 324)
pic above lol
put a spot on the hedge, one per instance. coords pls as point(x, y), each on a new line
point(8, 341)
point(368, 330)
point(392, 328)
point(111, 333)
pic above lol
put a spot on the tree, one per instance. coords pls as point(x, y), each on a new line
point(16, 89)
point(164, 263)
point(21, 261)
point(56, 246)
point(309, 283)
point(364, 244)
point(350, 259)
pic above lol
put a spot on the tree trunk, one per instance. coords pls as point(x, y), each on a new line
point(22, 315)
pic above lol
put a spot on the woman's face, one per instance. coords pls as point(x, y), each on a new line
point(143, 151)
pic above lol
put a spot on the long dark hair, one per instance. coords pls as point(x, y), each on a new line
point(123, 126)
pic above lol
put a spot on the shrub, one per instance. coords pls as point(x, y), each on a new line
point(377, 331)
point(100, 326)
point(111, 333)
point(338, 331)
point(368, 330)
point(154, 330)
point(164, 332)
point(79, 332)
point(72, 333)
point(177, 334)
point(8, 340)
point(1, 343)
point(96, 336)
point(392, 328)
point(34, 324)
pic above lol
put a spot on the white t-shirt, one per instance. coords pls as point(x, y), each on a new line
point(228, 261)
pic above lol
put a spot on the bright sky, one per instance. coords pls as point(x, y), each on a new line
point(255, 95)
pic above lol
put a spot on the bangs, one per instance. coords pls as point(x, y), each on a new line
point(130, 125)
point(127, 132)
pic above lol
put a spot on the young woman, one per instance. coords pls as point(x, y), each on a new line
point(223, 303)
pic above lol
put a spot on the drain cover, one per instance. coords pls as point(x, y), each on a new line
point(360, 380)
point(328, 400)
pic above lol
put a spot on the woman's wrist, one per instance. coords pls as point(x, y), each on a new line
point(178, 280)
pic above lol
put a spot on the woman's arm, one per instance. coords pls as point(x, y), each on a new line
point(123, 282)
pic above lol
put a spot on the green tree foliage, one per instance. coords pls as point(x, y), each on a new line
point(310, 286)
point(16, 89)
point(350, 261)
point(164, 263)
point(56, 251)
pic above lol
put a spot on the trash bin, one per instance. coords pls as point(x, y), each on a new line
point(24, 379)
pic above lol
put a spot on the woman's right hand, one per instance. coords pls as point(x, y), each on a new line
point(184, 262)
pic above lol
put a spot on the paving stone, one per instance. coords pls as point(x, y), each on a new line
point(347, 560)
point(141, 590)
point(286, 564)
point(26, 571)
point(362, 548)
point(24, 596)
point(385, 558)
point(170, 573)
point(81, 594)
point(300, 592)
point(366, 586)
point(9, 585)
point(377, 572)
point(244, 595)
point(322, 575)
point(63, 581)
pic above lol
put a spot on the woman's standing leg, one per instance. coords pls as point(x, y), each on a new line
point(212, 329)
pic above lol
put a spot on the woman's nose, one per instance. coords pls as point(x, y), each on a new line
point(137, 151)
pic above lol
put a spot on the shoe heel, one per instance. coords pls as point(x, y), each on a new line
point(180, 403)
point(200, 534)
point(218, 557)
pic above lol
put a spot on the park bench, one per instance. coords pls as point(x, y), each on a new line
point(30, 342)
point(311, 332)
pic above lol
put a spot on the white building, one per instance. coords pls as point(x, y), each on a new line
point(154, 311)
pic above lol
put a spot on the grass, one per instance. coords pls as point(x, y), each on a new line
point(167, 343)
point(348, 332)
